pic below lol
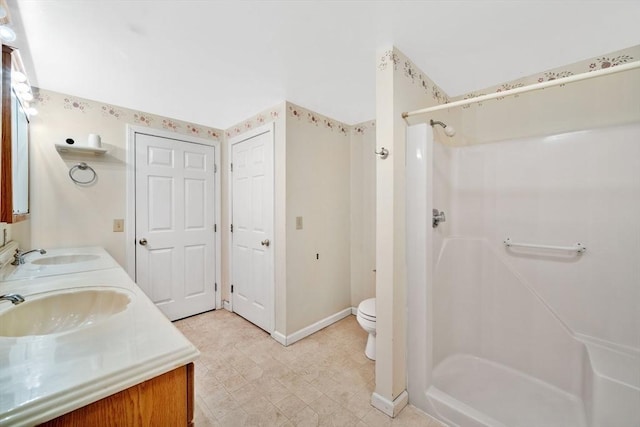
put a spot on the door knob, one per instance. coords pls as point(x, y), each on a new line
point(143, 242)
point(265, 242)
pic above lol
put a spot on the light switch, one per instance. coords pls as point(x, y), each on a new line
point(298, 223)
point(118, 225)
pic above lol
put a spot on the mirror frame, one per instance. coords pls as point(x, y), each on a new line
point(6, 165)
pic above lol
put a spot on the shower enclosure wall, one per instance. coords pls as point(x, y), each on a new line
point(517, 336)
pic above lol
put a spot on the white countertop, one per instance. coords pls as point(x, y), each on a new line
point(45, 376)
point(97, 259)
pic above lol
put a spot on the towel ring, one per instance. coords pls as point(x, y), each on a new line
point(82, 166)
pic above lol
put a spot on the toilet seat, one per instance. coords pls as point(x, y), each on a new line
point(367, 309)
point(366, 317)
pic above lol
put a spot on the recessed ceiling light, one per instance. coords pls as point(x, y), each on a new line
point(7, 34)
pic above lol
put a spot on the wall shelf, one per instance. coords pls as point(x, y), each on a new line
point(79, 149)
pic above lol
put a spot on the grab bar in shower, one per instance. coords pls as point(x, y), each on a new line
point(579, 248)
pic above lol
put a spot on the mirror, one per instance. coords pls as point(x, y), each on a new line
point(19, 156)
point(14, 161)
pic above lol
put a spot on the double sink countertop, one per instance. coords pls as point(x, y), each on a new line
point(57, 371)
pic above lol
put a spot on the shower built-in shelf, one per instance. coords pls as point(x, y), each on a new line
point(79, 149)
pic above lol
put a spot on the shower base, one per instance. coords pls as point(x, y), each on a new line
point(471, 391)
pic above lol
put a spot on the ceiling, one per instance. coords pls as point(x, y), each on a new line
point(218, 62)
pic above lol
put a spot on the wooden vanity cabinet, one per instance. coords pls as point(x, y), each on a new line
point(166, 400)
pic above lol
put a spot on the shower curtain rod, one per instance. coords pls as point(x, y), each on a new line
point(529, 88)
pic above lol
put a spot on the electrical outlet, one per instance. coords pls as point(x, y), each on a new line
point(118, 225)
point(298, 223)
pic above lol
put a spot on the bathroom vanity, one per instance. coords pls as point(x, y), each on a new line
point(88, 347)
point(164, 400)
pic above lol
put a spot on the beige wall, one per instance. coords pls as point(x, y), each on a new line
point(325, 172)
point(363, 212)
point(313, 176)
point(20, 232)
point(63, 213)
point(318, 176)
point(603, 101)
point(400, 87)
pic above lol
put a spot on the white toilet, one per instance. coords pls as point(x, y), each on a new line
point(367, 318)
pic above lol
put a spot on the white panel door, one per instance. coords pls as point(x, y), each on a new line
point(252, 237)
point(175, 241)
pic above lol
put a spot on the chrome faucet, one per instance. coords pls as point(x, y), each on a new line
point(14, 298)
point(438, 217)
point(18, 257)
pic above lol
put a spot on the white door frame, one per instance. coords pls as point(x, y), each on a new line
point(269, 127)
point(130, 215)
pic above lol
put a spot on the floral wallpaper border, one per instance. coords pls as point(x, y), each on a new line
point(598, 63)
point(78, 105)
point(43, 97)
point(363, 128)
point(394, 58)
point(313, 118)
point(266, 116)
point(294, 111)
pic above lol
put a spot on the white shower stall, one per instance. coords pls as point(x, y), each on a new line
point(541, 335)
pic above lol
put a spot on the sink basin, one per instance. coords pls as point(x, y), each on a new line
point(58, 261)
point(64, 259)
point(60, 311)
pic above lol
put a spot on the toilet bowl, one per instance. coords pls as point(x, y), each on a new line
point(367, 319)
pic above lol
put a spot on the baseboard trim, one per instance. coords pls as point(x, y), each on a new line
point(305, 332)
point(279, 337)
point(354, 311)
point(321, 324)
point(226, 305)
point(390, 408)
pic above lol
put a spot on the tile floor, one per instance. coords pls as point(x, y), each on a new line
point(245, 378)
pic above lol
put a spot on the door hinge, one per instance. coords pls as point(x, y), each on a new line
point(232, 228)
point(215, 168)
point(215, 287)
point(215, 228)
point(231, 288)
point(231, 167)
